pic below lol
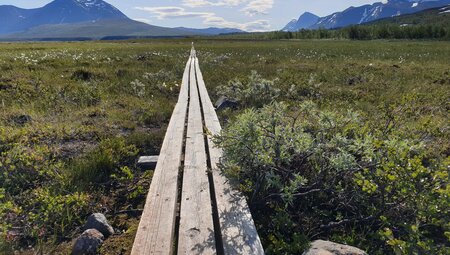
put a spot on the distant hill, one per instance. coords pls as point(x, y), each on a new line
point(379, 10)
point(306, 20)
point(83, 19)
point(210, 30)
point(96, 30)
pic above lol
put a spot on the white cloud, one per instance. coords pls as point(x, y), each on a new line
point(209, 18)
point(257, 7)
point(251, 8)
point(253, 26)
point(203, 3)
point(170, 12)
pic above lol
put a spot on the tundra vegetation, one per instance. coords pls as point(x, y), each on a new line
point(339, 140)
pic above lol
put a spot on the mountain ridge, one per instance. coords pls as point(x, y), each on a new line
point(211, 30)
point(57, 12)
point(439, 16)
point(371, 12)
point(92, 19)
point(305, 20)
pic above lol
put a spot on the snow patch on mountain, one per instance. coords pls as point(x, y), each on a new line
point(378, 10)
point(363, 18)
point(445, 10)
point(98, 4)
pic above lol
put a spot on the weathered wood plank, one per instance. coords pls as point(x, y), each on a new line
point(196, 233)
point(147, 162)
point(155, 234)
point(196, 230)
point(239, 235)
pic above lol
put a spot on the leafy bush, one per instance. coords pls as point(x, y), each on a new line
point(108, 159)
point(257, 92)
point(154, 116)
point(40, 215)
point(313, 174)
point(147, 142)
point(38, 199)
point(53, 214)
point(26, 168)
point(34, 205)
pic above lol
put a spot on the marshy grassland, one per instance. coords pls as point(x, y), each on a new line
point(74, 117)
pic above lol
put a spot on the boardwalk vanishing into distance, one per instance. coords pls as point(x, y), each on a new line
point(191, 208)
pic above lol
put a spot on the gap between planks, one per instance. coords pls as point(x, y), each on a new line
point(208, 203)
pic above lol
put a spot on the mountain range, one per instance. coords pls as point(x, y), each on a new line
point(97, 19)
point(364, 14)
point(92, 19)
point(439, 17)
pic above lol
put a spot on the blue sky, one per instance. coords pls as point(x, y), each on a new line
point(250, 15)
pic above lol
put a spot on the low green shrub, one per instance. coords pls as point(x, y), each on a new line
point(106, 160)
point(24, 168)
point(148, 142)
point(311, 174)
point(53, 214)
point(156, 114)
point(256, 92)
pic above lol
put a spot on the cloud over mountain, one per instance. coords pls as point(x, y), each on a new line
point(211, 18)
point(249, 7)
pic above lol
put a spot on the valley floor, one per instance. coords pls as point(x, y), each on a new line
point(75, 116)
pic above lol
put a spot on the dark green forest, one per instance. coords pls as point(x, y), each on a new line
point(369, 32)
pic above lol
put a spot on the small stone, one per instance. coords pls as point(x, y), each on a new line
point(321, 247)
point(98, 221)
point(224, 103)
point(88, 243)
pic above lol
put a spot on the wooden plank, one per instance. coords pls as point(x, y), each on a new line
point(239, 234)
point(196, 233)
point(147, 162)
point(155, 233)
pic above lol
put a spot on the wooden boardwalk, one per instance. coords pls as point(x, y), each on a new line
point(190, 207)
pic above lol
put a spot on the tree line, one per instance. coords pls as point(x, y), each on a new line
point(370, 32)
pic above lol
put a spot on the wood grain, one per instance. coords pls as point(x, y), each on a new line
point(196, 234)
point(239, 235)
point(155, 233)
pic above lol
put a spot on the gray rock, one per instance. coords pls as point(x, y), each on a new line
point(88, 243)
point(321, 247)
point(224, 103)
point(98, 221)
